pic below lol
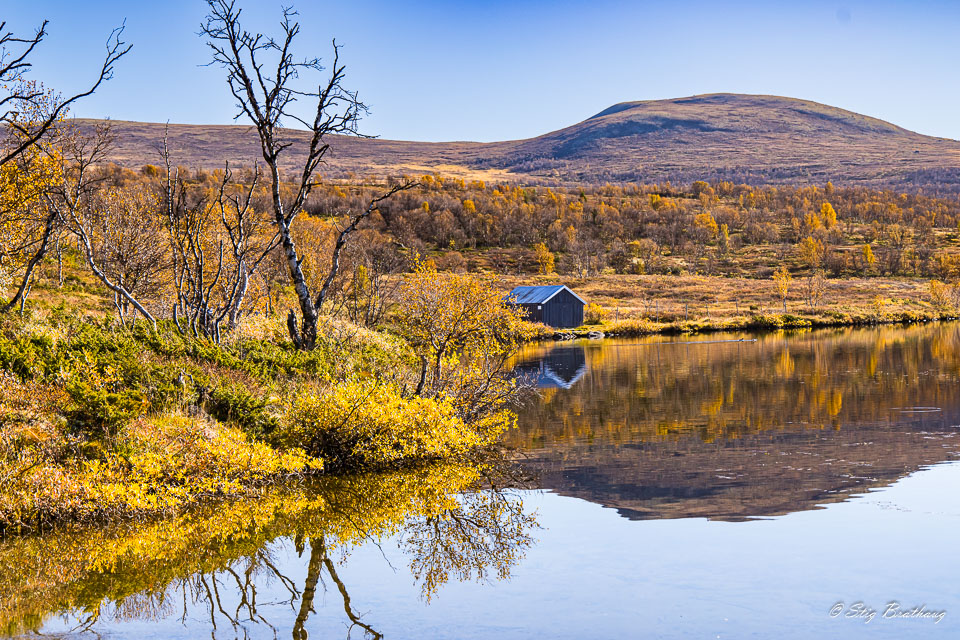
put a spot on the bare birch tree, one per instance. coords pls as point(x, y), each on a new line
point(262, 75)
point(118, 236)
point(217, 244)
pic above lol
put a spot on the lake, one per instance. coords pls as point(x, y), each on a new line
point(790, 485)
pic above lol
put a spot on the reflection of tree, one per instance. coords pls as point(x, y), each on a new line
point(220, 559)
point(481, 539)
point(209, 587)
point(649, 392)
point(320, 560)
point(309, 590)
point(354, 618)
point(720, 428)
point(237, 581)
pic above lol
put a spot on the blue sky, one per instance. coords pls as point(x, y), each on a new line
point(501, 70)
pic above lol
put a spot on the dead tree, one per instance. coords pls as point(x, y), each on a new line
point(27, 110)
point(217, 245)
point(88, 221)
point(247, 239)
point(262, 75)
point(186, 225)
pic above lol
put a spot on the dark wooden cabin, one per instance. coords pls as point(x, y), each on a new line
point(556, 306)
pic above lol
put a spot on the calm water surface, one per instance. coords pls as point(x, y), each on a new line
point(730, 486)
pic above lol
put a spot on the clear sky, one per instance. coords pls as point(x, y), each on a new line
point(498, 70)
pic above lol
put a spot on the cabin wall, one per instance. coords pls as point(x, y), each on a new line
point(531, 312)
point(563, 311)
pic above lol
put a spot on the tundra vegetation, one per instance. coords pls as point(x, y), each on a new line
point(164, 364)
point(172, 335)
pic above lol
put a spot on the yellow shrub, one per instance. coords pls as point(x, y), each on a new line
point(939, 294)
point(593, 313)
point(630, 327)
point(162, 464)
point(177, 448)
point(368, 425)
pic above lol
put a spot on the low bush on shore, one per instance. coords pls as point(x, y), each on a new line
point(368, 425)
point(632, 327)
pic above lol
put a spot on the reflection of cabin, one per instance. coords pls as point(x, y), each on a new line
point(556, 306)
point(558, 368)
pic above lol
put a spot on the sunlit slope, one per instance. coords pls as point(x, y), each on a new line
point(737, 137)
point(744, 138)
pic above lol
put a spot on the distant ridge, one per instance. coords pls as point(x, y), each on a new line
point(756, 139)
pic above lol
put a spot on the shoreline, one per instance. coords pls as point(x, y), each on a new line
point(757, 323)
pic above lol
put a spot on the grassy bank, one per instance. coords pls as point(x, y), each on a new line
point(102, 422)
point(630, 305)
point(766, 322)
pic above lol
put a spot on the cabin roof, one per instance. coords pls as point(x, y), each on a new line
point(540, 294)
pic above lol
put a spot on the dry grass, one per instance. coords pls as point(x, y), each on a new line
point(693, 297)
point(657, 298)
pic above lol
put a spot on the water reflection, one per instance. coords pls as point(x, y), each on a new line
point(557, 368)
point(238, 569)
point(730, 427)
point(722, 429)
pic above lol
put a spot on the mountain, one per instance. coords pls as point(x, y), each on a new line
point(743, 138)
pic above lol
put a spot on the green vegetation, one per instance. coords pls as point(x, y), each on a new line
point(101, 420)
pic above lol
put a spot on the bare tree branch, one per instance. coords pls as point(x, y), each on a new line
point(267, 99)
point(21, 95)
point(345, 235)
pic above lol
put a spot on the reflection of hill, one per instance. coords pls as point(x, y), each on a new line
point(735, 430)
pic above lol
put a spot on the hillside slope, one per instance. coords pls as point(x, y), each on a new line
point(744, 138)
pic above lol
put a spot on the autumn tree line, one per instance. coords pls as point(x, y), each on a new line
point(198, 248)
point(719, 228)
point(201, 246)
